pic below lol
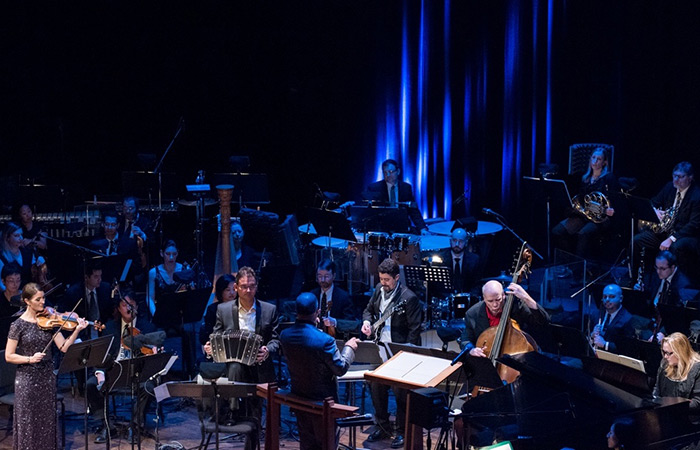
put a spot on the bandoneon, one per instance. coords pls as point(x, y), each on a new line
point(235, 346)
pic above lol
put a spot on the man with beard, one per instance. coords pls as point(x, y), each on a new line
point(336, 300)
point(464, 264)
point(404, 326)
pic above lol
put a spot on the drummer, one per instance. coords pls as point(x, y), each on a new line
point(463, 262)
point(394, 191)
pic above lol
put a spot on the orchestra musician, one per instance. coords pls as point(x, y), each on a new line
point(132, 224)
point(161, 278)
point(125, 318)
point(35, 422)
point(679, 204)
point(578, 229)
point(96, 296)
point(224, 291)
point(249, 314)
point(339, 304)
point(12, 279)
point(393, 190)
point(12, 250)
point(245, 255)
point(314, 363)
point(487, 313)
point(403, 326)
point(615, 320)
point(33, 235)
point(679, 372)
point(670, 285)
point(113, 243)
point(464, 263)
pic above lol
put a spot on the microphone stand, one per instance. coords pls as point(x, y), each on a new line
point(603, 275)
point(180, 127)
point(502, 221)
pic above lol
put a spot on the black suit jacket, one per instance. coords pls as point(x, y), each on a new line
point(378, 191)
point(406, 322)
point(621, 326)
point(124, 246)
point(341, 308)
point(314, 361)
point(77, 291)
point(687, 222)
point(113, 328)
point(677, 294)
point(266, 325)
point(470, 271)
point(477, 321)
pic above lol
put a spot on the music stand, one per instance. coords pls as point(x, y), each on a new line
point(569, 341)
point(387, 219)
point(677, 318)
point(133, 372)
point(649, 352)
point(115, 267)
point(82, 355)
point(249, 188)
point(438, 278)
point(331, 224)
point(555, 193)
point(202, 391)
point(181, 307)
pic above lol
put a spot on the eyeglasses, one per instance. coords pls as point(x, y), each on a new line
point(324, 277)
point(247, 287)
point(665, 353)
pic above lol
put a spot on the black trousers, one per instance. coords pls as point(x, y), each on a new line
point(380, 401)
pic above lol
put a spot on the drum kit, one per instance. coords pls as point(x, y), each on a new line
point(357, 261)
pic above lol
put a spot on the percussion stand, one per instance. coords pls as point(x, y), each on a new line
point(439, 278)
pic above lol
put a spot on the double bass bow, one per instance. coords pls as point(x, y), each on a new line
point(507, 337)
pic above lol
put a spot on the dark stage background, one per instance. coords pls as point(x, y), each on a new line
point(470, 95)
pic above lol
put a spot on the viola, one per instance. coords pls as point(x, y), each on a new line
point(49, 319)
point(127, 338)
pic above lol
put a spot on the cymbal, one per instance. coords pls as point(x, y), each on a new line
point(207, 202)
point(503, 278)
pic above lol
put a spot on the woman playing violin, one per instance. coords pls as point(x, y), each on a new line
point(28, 346)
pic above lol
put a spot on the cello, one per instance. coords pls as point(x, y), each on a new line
point(507, 337)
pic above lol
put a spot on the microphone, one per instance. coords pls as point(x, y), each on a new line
point(462, 197)
point(319, 191)
point(460, 356)
point(490, 212)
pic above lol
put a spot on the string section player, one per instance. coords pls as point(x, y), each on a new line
point(400, 307)
point(335, 302)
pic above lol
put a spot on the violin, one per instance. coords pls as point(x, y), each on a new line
point(49, 319)
point(129, 337)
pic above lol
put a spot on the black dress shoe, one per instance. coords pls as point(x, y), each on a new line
point(101, 437)
point(378, 435)
point(397, 442)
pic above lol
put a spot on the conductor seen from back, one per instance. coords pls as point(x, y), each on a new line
point(314, 362)
point(487, 313)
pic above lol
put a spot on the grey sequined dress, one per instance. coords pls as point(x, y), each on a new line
point(34, 424)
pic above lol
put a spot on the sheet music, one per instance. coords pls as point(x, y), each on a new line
point(413, 368)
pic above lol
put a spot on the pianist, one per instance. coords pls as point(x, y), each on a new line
point(679, 372)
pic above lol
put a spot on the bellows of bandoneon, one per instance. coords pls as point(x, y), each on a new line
point(235, 346)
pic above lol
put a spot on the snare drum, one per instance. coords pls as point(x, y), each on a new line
point(377, 241)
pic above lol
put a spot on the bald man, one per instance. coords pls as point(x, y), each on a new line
point(487, 313)
point(615, 321)
point(314, 362)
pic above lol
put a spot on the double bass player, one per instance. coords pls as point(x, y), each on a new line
point(487, 313)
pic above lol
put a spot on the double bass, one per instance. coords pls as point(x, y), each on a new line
point(507, 337)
